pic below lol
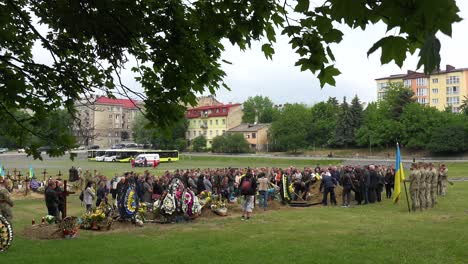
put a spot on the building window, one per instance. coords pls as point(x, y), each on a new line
point(204, 133)
point(223, 132)
point(381, 95)
point(211, 122)
point(453, 90)
point(217, 132)
point(199, 133)
point(247, 136)
point(435, 80)
point(116, 134)
point(110, 116)
point(199, 122)
point(216, 122)
point(381, 86)
point(211, 132)
point(217, 110)
point(224, 110)
point(453, 100)
point(407, 83)
point(254, 135)
point(453, 80)
point(421, 82)
point(435, 101)
point(421, 92)
point(194, 133)
point(435, 90)
point(422, 100)
point(455, 109)
point(224, 121)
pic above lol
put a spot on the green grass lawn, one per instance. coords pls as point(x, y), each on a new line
point(379, 233)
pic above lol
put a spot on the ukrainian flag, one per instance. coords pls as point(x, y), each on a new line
point(31, 172)
point(399, 176)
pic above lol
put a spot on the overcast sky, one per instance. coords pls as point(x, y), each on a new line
point(252, 74)
point(279, 79)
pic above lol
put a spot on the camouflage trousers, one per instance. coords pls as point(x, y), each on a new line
point(422, 198)
point(428, 195)
point(443, 187)
point(5, 210)
point(415, 200)
point(433, 195)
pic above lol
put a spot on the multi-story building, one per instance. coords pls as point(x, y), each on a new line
point(212, 120)
point(440, 89)
point(255, 134)
point(105, 121)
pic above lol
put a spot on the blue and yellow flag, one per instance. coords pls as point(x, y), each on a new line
point(31, 172)
point(399, 176)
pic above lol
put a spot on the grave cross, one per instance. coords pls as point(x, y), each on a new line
point(59, 176)
point(65, 194)
point(44, 173)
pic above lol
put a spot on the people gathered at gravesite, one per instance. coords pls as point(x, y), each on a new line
point(358, 185)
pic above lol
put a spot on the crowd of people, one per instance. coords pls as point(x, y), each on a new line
point(367, 183)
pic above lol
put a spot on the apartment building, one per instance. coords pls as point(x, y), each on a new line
point(105, 121)
point(440, 89)
point(212, 120)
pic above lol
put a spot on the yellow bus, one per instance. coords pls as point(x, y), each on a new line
point(126, 155)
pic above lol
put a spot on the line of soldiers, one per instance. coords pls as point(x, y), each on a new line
point(426, 183)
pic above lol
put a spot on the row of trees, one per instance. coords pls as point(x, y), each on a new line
point(395, 118)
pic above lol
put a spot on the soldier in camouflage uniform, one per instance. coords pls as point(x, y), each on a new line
point(443, 178)
point(5, 201)
point(434, 182)
point(422, 187)
point(414, 179)
point(427, 175)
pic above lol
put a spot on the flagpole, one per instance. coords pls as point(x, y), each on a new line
point(407, 200)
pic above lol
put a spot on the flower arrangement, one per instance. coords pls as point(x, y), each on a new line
point(69, 227)
point(99, 218)
point(204, 198)
point(6, 234)
point(219, 207)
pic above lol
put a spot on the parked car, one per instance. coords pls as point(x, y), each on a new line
point(44, 148)
point(150, 159)
point(21, 150)
point(118, 146)
point(3, 150)
point(93, 147)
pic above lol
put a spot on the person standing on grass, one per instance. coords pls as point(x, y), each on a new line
point(88, 196)
point(328, 184)
point(347, 184)
point(389, 181)
point(52, 200)
point(263, 184)
point(248, 186)
point(101, 193)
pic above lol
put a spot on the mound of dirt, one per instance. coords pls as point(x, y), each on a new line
point(316, 196)
point(21, 196)
point(44, 232)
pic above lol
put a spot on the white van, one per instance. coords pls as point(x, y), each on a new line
point(150, 159)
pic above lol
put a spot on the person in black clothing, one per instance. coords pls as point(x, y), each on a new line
point(365, 183)
point(101, 193)
point(356, 179)
point(328, 184)
point(200, 184)
point(248, 187)
point(389, 181)
point(373, 180)
point(61, 198)
point(157, 189)
point(52, 200)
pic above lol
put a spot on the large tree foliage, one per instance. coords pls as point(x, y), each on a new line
point(32, 133)
point(258, 108)
point(289, 131)
point(324, 116)
point(230, 143)
point(177, 45)
point(343, 135)
point(172, 137)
